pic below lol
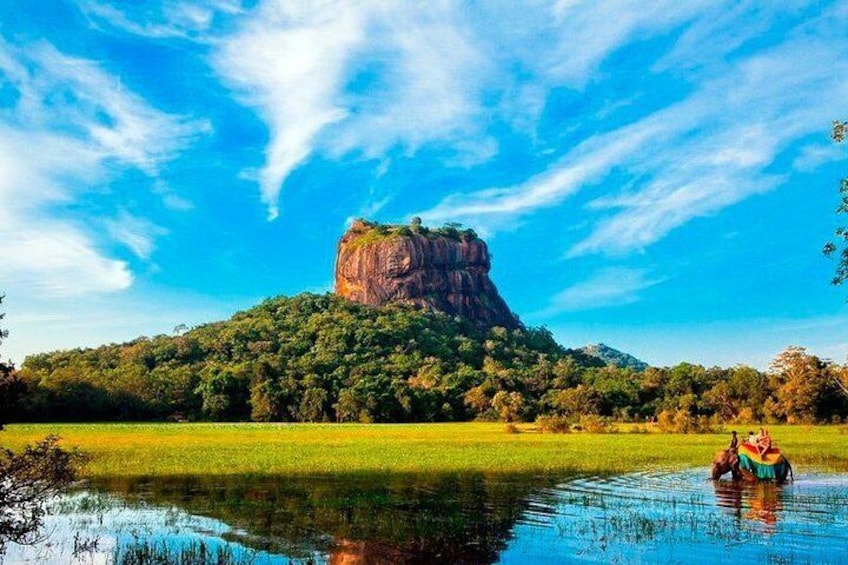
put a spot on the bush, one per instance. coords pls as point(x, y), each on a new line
point(553, 424)
point(594, 424)
point(682, 422)
point(511, 428)
point(29, 480)
point(745, 416)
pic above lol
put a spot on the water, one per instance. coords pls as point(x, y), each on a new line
point(643, 517)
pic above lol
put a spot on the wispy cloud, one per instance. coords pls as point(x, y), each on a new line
point(302, 66)
point(721, 142)
point(71, 127)
point(288, 61)
point(187, 19)
point(374, 77)
point(591, 160)
point(690, 159)
point(613, 286)
point(137, 234)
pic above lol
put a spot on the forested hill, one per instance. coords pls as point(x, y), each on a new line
point(325, 358)
point(614, 357)
point(307, 358)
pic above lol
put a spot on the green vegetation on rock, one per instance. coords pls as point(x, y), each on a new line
point(373, 231)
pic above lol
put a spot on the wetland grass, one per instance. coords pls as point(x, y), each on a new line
point(166, 449)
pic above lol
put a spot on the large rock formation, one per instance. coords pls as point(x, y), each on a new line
point(445, 270)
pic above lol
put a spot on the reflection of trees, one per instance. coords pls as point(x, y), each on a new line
point(758, 501)
point(356, 519)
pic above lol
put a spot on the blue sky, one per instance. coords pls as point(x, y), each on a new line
point(656, 176)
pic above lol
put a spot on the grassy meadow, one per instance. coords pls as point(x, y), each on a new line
point(130, 450)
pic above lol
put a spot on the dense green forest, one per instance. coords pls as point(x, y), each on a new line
point(323, 358)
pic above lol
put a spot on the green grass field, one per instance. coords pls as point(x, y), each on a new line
point(235, 449)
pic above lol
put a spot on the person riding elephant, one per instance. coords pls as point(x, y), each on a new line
point(725, 461)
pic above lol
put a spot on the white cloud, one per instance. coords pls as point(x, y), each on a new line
point(589, 30)
point(72, 125)
point(137, 234)
point(812, 156)
point(169, 20)
point(57, 260)
point(288, 62)
point(688, 160)
point(48, 256)
point(722, 140)
point(613, 286)
point(590, 160)
point(295, 61)
point(373, 77)
point(370, 77)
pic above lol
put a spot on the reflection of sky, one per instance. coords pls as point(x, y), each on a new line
point(676, 518)
point(635, 518)
point(113, 523)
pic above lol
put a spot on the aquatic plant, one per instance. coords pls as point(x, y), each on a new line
point(156, 552)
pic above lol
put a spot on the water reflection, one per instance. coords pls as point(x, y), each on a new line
point(357, 520)
point(760, 502)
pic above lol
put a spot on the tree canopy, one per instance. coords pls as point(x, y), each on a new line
point(315, 358)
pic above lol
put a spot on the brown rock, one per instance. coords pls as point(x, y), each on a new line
point(376, 265)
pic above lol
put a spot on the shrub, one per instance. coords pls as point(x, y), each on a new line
point(553, 424)
point(745, 416)
point(682, 422)
point(594, 424)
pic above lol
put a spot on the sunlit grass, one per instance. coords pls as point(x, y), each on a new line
point(238, 449)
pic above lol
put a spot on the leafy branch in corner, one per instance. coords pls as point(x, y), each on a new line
point(31, 478)
point(839, 244)
point(28, 480)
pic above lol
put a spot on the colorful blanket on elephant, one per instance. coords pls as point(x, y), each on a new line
point(771, 465)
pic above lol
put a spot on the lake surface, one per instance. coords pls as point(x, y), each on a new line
point(646, 517)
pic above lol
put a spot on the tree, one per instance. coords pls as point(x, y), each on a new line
point(312, 405)
point(10, 384)
point(840, 377)
point(839, 244)
point(508, 405)
point(805, 392)
point(28, 480)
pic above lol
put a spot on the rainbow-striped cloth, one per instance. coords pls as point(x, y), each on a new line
point(771, 466)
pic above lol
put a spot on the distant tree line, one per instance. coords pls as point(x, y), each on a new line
point(321, 358)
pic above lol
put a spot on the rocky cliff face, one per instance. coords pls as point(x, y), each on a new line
point(376, 265)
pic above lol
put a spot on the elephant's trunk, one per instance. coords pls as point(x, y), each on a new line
point(716, 472)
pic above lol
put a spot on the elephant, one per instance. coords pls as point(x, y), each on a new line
point(725, 461)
